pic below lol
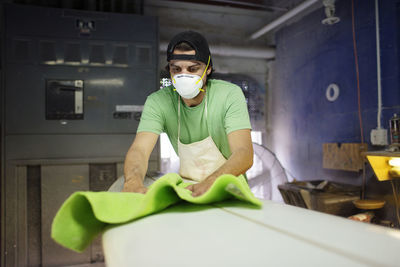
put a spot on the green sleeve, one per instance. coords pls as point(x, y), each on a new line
point(237, 115)
point(152, 119)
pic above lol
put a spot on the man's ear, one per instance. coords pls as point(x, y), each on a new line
point(209, 70)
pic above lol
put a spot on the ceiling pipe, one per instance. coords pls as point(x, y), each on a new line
point(284, 18)
point(251, 5)
point(225, 50)
point(248, 52)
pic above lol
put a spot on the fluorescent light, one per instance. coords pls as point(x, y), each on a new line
point(394, 162)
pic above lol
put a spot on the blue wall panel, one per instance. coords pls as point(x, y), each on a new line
point(309, 57)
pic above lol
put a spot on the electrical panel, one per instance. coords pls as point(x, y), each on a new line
point(74, 87)
point(70, 71)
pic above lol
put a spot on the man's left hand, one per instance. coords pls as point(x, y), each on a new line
point(200, 188)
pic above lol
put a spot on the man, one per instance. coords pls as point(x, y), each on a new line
point(206, 121)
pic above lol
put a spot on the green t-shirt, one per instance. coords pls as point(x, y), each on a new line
point(227, 112)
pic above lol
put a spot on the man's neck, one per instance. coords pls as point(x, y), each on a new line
point(197, 100)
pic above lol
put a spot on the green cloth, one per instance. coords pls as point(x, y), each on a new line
point(84, 215)
point(227, 112)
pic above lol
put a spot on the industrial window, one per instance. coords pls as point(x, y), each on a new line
point(120, 57)
point(72, 54)
point(96, 56)
point(48, 52)
point(21, 50)
point(143, 54)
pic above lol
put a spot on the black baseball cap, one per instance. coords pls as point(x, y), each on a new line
point(196, 41)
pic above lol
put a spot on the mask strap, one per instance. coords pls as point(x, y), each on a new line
point(179, 119)
point(173, 79)
point(201, 78)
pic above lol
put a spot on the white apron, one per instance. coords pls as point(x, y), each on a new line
point(199, 159)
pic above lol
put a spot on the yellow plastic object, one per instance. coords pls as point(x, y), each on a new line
point(369, 204)
point(380, 166)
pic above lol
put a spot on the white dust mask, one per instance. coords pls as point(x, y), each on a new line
point(189, 85)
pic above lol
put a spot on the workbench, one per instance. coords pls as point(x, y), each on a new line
point(234, 233)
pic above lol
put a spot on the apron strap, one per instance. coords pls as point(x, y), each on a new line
point(206, 111)
point(179, 117)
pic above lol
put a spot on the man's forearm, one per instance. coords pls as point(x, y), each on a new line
point(135, 167)
point(238, 163)
point(136, 161)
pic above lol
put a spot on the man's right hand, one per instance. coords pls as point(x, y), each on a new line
point(134, 186)
point(136, 162)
